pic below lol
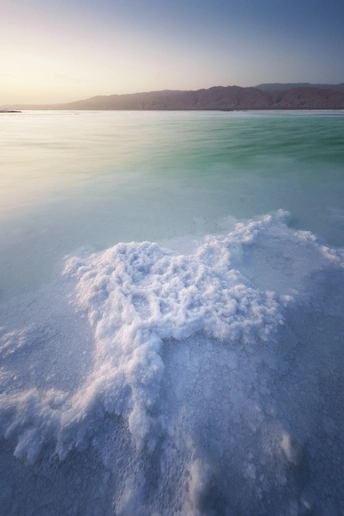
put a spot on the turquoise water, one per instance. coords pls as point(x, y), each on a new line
point(73, 179)
point(198, 373)
point(96, 178)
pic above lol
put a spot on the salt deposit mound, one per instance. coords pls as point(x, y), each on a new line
point(145, 381)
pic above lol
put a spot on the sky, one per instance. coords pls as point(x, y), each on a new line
point(55, 51)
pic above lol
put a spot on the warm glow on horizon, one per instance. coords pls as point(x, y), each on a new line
point(55, 52)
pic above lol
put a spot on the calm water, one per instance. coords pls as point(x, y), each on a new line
point(199, 372)
point(98, 178)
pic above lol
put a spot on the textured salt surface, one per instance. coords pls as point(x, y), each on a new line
point(145, 381)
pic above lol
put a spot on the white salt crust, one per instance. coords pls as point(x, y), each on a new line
point(157, 318)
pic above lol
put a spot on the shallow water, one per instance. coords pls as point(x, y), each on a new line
point(172, 312)
point(98, 178)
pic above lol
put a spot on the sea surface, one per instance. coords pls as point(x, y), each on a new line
point(172, 313)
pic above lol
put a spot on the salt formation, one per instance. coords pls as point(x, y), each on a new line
point(182, 384)
point(292, 449)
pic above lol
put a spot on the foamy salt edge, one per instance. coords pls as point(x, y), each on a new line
point(137, 296)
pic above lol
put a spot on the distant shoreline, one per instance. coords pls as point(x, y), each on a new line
point(77, 110)
point(217, 98)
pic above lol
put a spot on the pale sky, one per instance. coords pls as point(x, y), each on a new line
point(63, 50)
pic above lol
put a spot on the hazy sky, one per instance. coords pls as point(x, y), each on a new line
point(61, 50)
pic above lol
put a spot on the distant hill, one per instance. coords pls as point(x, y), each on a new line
point(219, 98)
point(274, 86)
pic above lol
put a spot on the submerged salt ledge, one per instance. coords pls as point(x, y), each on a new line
point(194, 396)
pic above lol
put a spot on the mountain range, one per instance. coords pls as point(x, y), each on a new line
point(223, 98)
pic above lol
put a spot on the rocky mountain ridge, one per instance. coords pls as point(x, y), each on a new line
point(274, 86)
point(221, 98)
